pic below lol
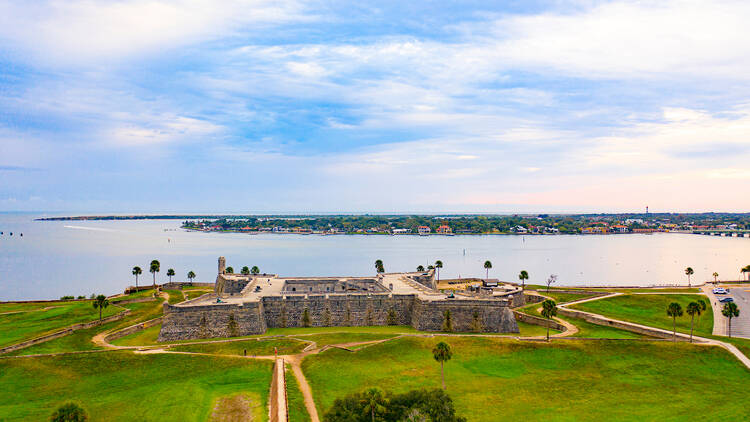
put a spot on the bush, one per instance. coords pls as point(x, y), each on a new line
point(68, 297)
point(416, 405)
point(69, 412)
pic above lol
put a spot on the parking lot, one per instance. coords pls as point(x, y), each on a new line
point(741, 296)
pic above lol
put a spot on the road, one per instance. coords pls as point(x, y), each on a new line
point(741, 324)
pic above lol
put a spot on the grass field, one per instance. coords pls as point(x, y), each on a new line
point(339, 338)
point(193, 293)
point(175, 296)
point(81, 339)
point(257, 347)
point(651, 310)
point(122, 386)
point(543, 288)
point(589, 330)
point(564, 380)
point(565, 297)
point(38, 321)
point(295, 400)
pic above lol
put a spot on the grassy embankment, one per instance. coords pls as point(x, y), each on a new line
point(122, 386)
point(81, 339)
point(33, 320)
point(586, 380)
point(295, 400)
point(543, 288)
point(651, 310)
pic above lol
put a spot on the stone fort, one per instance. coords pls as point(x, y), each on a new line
point(249, 304)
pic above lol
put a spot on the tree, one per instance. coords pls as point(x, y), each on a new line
point(716, 276)
point(229, 270)
point(379, 266)
point(153, 269)
point(552, 278)
point(442, 353)
point(674, 310)
point(746, 269)
point(374, 401)
point(245, 270)
point(523, 276)
point(702, 304)
point(420, 268)
point(688, 272)
point(69, 412)
point(730, 311)
point(136, 272)
point(191, 276)
point(255, 270)
point(100, 303)
point(170, 274)
point(487, 266)
point(438, 266)
point(693, 309)
point(549, 309)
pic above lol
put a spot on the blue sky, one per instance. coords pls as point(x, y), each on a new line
point(285, 106)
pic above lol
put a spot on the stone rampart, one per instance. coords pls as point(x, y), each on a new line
point(231, 320)
point(209, 321)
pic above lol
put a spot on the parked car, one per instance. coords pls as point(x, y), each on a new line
point(720, 291)
point(726, 299)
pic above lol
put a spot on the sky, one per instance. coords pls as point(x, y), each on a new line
point(148, 106)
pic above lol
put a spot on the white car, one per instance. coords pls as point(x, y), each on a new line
point(720, 291)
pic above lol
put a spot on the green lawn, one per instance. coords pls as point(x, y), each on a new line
point(122, 386)
point(741, 343)
point(140, 338)
point(543, 288)
point(175, 296)
point(651, 310)
point(385, 329)
point(563, 380)
point(22, 326)
point(257, 347)
point(589, 330)
point(192, 294)
point(565, 297)
point(340, 338)
point(294, 398)
point(81, 339)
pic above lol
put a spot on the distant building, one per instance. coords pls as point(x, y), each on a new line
point(594, 230)
point(520, 229)
point(444, 229)
point(401, 231)
point(620, 228)
point(424, 230)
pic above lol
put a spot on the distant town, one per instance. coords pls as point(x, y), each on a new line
point(733, 224)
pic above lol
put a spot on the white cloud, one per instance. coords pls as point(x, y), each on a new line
point(161, 129)
point(75, 31)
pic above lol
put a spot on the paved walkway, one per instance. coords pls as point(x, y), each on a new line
point(741, 296)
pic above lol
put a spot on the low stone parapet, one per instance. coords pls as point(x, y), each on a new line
point(535, 320)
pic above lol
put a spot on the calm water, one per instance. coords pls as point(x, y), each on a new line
point(81, 257)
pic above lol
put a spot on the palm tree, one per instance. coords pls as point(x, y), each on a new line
point(730, 311)
point(374, 401)
point(487, 266)
point(688, 272)
point(170, 274)
point(245, 270)
point(693, 309)
point(523, 276)
point(136, 272)
point(153, 269)
point(549, 309)
point(702, 304)
point(716, 276)
point(191, 276)
point(438, 265)
point(746, 269)
point(379, 266)
point(420, 268)
point(229, 270)
point(100, 303)
point(442, 353)
point(674, 310)
point(255, 269)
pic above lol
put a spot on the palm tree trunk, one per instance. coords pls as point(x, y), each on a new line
point(730, 327)
point(100, 314)
point(674, 328)
point(136, 282)
point(372, 413)
point(442, 374)
point(547, 332)
point(692, 318)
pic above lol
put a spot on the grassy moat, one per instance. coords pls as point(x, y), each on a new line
point(599, 373)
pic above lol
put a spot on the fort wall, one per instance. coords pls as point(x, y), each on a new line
point(231, 320)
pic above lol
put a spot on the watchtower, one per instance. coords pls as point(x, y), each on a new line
point(222, 265)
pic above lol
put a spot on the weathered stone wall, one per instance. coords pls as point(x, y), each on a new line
point(338, 310)
point(230, 286)
point(215, 320)
point(488, 316)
